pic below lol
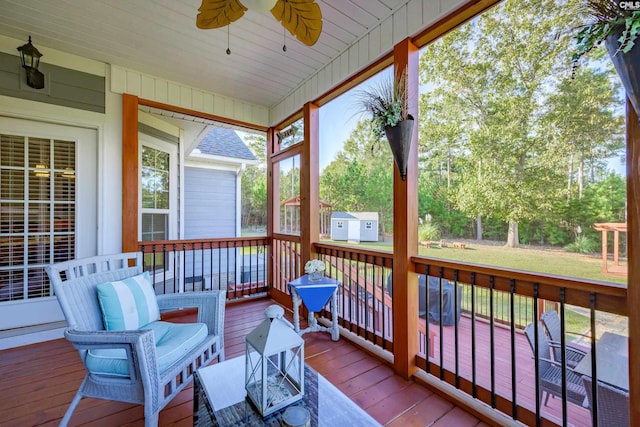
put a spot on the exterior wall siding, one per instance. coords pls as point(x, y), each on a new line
point(209, 203)
point(210, 212)
point(156, 89)
point(63, 86)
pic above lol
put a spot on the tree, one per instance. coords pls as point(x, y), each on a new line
point(583, 125)
point(494, 77)
point(254, 184)
point(361, 178)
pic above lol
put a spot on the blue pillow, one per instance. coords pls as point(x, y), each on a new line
point(129, 303)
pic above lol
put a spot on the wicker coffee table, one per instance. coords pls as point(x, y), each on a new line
point(219, 399)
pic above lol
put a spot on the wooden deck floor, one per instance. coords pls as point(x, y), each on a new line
point(40, 380)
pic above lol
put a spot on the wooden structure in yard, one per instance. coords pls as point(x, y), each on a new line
point(617, 228)
point(291, 216)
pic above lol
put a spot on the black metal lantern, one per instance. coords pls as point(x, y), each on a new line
point(30, 58)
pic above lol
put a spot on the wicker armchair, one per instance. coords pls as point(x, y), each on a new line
point(147, 376)
point(574, 353)
point(613, 404)
point(550, 378)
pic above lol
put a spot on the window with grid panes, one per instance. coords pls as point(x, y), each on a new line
point(155, 180)
point(37, 212)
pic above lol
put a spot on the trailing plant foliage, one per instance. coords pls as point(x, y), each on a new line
point(387, 102)
point(607, 17)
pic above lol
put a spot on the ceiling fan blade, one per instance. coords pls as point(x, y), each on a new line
point(218, 13)
point(302, 18)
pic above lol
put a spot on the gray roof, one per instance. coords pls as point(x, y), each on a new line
point(225, 142)
point(363, 216)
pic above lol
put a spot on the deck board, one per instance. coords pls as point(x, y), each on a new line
point(40, 380)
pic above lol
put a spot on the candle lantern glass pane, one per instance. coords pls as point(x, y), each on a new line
point(274, 374)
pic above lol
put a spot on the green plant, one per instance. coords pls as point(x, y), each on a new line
point(428, 231)
point(582, 245)
point(387, 102)
point(607, 17)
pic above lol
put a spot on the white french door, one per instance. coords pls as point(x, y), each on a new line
point(48, 212)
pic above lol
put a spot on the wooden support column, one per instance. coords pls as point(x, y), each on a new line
point(633, 238)
point(273, 195)
point(405, 228)
point(309, 173)
point(130, 173)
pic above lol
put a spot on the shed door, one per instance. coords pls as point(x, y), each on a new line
point(353, 231)
point(48, 212)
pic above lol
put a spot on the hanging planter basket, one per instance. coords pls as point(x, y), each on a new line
point(627, 66)
point(399, 137)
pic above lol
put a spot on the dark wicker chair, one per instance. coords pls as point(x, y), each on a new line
point(574, 353)
point(551, 371)
point(613, 404)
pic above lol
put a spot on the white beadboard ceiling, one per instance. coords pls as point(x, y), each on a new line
point(160, 38)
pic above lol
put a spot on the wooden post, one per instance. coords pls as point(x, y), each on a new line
point(309, 191)
point(616, 250)
point(130, 173)
point(633, 238)
point(605, 251)
point(272, 197)
point(405, 226)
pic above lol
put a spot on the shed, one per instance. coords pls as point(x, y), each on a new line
point(354, 226)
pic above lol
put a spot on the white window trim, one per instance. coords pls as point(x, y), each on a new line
point(172, 149)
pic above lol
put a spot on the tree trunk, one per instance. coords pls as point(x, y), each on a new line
point(513, 240)
point(479, 228)
point(570, 177)
point(581, 176)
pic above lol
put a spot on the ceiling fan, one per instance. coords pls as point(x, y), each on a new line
point(302, 18)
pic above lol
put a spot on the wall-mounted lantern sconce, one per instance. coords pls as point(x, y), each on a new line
point(30, 58)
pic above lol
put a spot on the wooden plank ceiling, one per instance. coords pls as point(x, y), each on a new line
point(160, 38)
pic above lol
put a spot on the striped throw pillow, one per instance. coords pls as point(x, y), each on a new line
point(129, 303)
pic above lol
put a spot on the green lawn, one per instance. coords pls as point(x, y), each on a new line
point(555, 262)
point(548, 261)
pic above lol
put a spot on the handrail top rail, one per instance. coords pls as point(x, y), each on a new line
point(370, 252)
point(287, 237)
point(204, 240)
point(578, 283)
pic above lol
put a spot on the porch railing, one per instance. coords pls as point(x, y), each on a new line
point(238, 265)
point(482, 351)
point(364, 297)
point(488, 357)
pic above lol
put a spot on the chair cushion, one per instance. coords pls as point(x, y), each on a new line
point(129, 303)
point(173, 341)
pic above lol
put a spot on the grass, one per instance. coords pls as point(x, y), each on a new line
point(575, 322)
point(556, 261)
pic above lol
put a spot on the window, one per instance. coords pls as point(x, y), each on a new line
point(368, 225)
point(158, 195)
point(37, 212)
point(339, 224)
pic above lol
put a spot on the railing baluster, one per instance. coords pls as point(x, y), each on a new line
point(492, 341)
point(512, 330)
point(594, 368)
point(536, 351)
point(440, 324)
point(563, 358)
point(455, 326)
point(474, 391)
